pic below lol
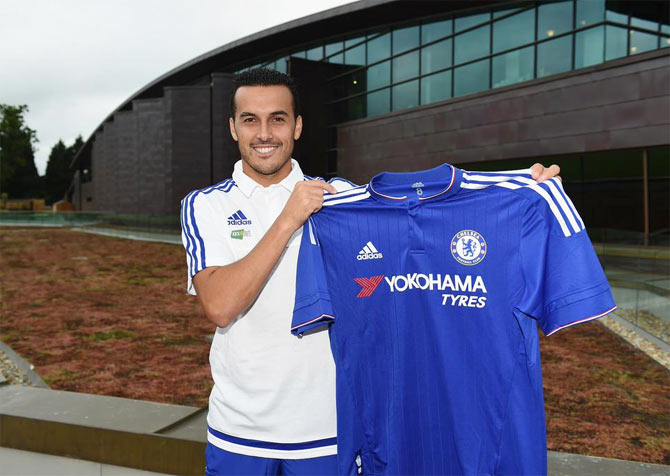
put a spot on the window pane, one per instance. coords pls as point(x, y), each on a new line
point(665, 41)
point(554, 19)
point(379, 48)
point(379, 102)
point(333, 48)
point(590, 12)
point(471, 78)
point(641, 42)
point(338, 58)
point(298, 54)
point(513, 67)
point(406, 66)
point(464, 23)
point(501, 13)
point(405, 39)
point(617, 17)
point(472, 45)
point(589, 47)
point(315, 54)
point(406, 95)
point(433, 31)
point(514, 31)
point(648, 25)
point(615, 42)
point(436, 56)
point(355, 55)
point(379, 75)
point(281, 65)
point(436, 87)
point(554, 56)
point(353, 41)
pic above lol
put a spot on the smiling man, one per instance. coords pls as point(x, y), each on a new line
point(272, 407)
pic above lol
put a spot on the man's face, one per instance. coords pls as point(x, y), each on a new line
point(265, 129)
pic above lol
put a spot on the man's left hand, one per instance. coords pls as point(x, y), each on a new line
point(540, 173)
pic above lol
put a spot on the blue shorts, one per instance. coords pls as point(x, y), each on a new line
point(225, 463)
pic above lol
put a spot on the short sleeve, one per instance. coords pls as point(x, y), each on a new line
point(201, 237)
point(312, 307)
point(564, 284)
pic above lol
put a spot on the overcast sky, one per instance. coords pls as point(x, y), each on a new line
point(74, 61)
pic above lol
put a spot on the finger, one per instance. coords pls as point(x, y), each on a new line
point(322, 185)
point(550, 172)
point(536, 171)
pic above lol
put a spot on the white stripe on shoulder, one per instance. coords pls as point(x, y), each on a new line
point(475, 186)
point(559, 185)
point(557, 196)
point(346, 193)
point(351, 198)
point(564, 206)
point(495, 178)
point(554, 209)
point(509, 185)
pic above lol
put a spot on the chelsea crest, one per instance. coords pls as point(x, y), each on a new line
point(468, 247)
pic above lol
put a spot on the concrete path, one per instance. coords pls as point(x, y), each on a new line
point(27, 463)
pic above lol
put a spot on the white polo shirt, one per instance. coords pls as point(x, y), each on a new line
point(273, 394)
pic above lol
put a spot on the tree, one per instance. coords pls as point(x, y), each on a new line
point(58, 174)
point(18, 174)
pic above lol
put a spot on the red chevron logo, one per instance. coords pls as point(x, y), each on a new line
point(368, 285)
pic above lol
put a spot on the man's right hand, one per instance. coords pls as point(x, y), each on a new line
point(306, 198)
point(227, 291)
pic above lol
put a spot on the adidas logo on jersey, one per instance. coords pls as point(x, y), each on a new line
point(238, 218)
point(369, 252)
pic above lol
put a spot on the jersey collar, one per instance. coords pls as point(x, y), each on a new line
point(247, 185)
point(433, 184)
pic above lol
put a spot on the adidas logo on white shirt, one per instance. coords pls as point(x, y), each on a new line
point(238, 218)
point(369, 252)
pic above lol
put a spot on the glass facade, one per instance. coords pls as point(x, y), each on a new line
point(432, 60)
point(635, 215)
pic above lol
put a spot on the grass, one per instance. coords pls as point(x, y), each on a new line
point(120, 323)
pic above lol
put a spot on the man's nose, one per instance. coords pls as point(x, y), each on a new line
point(264, 131)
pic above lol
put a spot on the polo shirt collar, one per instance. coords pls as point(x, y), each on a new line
point(247, 185)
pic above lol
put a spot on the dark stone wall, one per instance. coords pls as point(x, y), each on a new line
point(125, 163)
point(108, 179)
point(152, 164)
point(86, 196)
point(97, 173)
point(618, 105)
point(225, 151)
point(187, 125)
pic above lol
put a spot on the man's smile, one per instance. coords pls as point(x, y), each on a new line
point(265, 149)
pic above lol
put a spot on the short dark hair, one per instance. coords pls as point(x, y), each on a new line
point(263, 77)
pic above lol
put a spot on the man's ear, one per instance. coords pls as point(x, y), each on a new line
point(298, 128)
point(233, 132)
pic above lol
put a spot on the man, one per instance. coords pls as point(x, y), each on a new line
point(272, 407)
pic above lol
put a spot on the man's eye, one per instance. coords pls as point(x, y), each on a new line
point(249, 119)
point(278, 119)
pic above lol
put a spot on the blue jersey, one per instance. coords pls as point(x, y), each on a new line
point(434, 283)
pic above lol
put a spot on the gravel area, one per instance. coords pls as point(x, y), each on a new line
point(11, 372)
point(633, 338)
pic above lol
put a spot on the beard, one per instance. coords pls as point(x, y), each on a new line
point(266, 166)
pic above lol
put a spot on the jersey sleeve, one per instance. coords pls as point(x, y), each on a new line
point(201, 237)
point(312, 308)
point(564, 284)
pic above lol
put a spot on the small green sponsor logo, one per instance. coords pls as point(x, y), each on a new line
point(239, 234)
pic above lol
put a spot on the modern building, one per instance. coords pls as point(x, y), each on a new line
point(406, 85)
